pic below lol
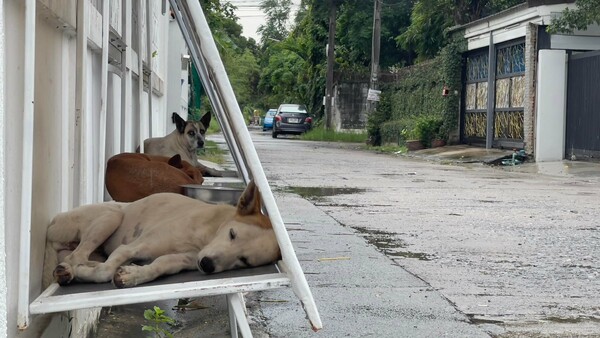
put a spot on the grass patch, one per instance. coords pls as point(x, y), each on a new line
point(212, 152)
point(321, 134)
point(213, 127)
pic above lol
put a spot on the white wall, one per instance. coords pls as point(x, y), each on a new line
point(551, 106)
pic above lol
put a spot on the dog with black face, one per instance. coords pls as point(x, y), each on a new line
point(185, 140)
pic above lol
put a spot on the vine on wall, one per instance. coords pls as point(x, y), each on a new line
point(413, 98)
point(452, 60)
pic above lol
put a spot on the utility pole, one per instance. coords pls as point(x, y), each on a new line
point(373, 85)
point(330, 62)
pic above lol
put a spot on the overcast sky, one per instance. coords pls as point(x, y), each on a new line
point(251, 17)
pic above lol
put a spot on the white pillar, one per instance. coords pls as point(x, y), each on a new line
point(551, 106)
point(3, 286)
point(27, 167)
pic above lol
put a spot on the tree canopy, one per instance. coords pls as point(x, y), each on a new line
point(586, 13)
point(289, 62)
point(277, 13)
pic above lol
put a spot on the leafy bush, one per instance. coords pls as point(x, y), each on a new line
point(427, 128)
point(319, 133)
point(397, 131)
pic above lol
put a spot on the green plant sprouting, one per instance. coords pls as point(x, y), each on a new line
point(157, 318)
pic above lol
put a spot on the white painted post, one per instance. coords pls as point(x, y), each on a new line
point(81, 96)
point(3, 270)
point(140, 92)
point(126, 88)
point(68, 131)
point(551, 106)
point(103, 99)
point(27, 166)
point(149, 61)
point(235, 303)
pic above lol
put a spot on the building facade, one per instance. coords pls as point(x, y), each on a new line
point(82, 80)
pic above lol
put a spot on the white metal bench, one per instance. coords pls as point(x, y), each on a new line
point(286, 273)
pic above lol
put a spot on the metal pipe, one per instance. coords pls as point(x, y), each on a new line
point(83, 152)
point(184, 23)
point(126, 89)
point(27, 166)
point(103, 100)
point(4, 280)
point(231, 108)
point(67, 134)
point(140, 92)
point(149, 62)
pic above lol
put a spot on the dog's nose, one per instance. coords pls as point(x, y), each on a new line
point(207, 265)
point(200, 143)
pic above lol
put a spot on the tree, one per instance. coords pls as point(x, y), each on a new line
point(237, 52)
point(586, 13)
point(355, 30)
point(426, 32)
point(430, 19)
point(293, 68)
point(277, 13)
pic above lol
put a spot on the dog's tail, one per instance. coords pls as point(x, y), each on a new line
point(50, 263)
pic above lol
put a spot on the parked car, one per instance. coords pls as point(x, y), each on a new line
point(291, 119)
point(268, 120)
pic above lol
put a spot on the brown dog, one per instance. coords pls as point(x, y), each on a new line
point(170, 232)
point(132, 176)
point(185, 140)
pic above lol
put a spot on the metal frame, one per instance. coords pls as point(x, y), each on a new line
point(490, 110)
point(206, 57)
point(288, 272)
point(184, 285)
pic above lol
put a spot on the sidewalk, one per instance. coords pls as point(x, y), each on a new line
point(460, 154)
point(464, 154)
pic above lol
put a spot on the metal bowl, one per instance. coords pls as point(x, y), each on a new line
point(232, 182)
point(213, 194)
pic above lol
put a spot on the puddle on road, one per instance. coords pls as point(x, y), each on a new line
point(317, 193)
point(389, 245)
point(384, 241)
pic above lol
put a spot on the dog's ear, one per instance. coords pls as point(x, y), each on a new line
point(249, 203)
point(175, 161)
point(179, 122)
point(205, 120)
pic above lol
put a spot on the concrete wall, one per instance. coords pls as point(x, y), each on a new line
point(350, 105)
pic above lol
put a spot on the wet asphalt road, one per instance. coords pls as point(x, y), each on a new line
point(434, 249)
point(394, 246)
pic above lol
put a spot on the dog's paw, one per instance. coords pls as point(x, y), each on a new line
point(124, 277)
point(63, 274)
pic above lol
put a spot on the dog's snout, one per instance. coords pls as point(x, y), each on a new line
point(200, 143)
point(207, 265)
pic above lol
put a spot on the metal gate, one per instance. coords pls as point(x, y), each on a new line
point(583, 107)
point(493, 108)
